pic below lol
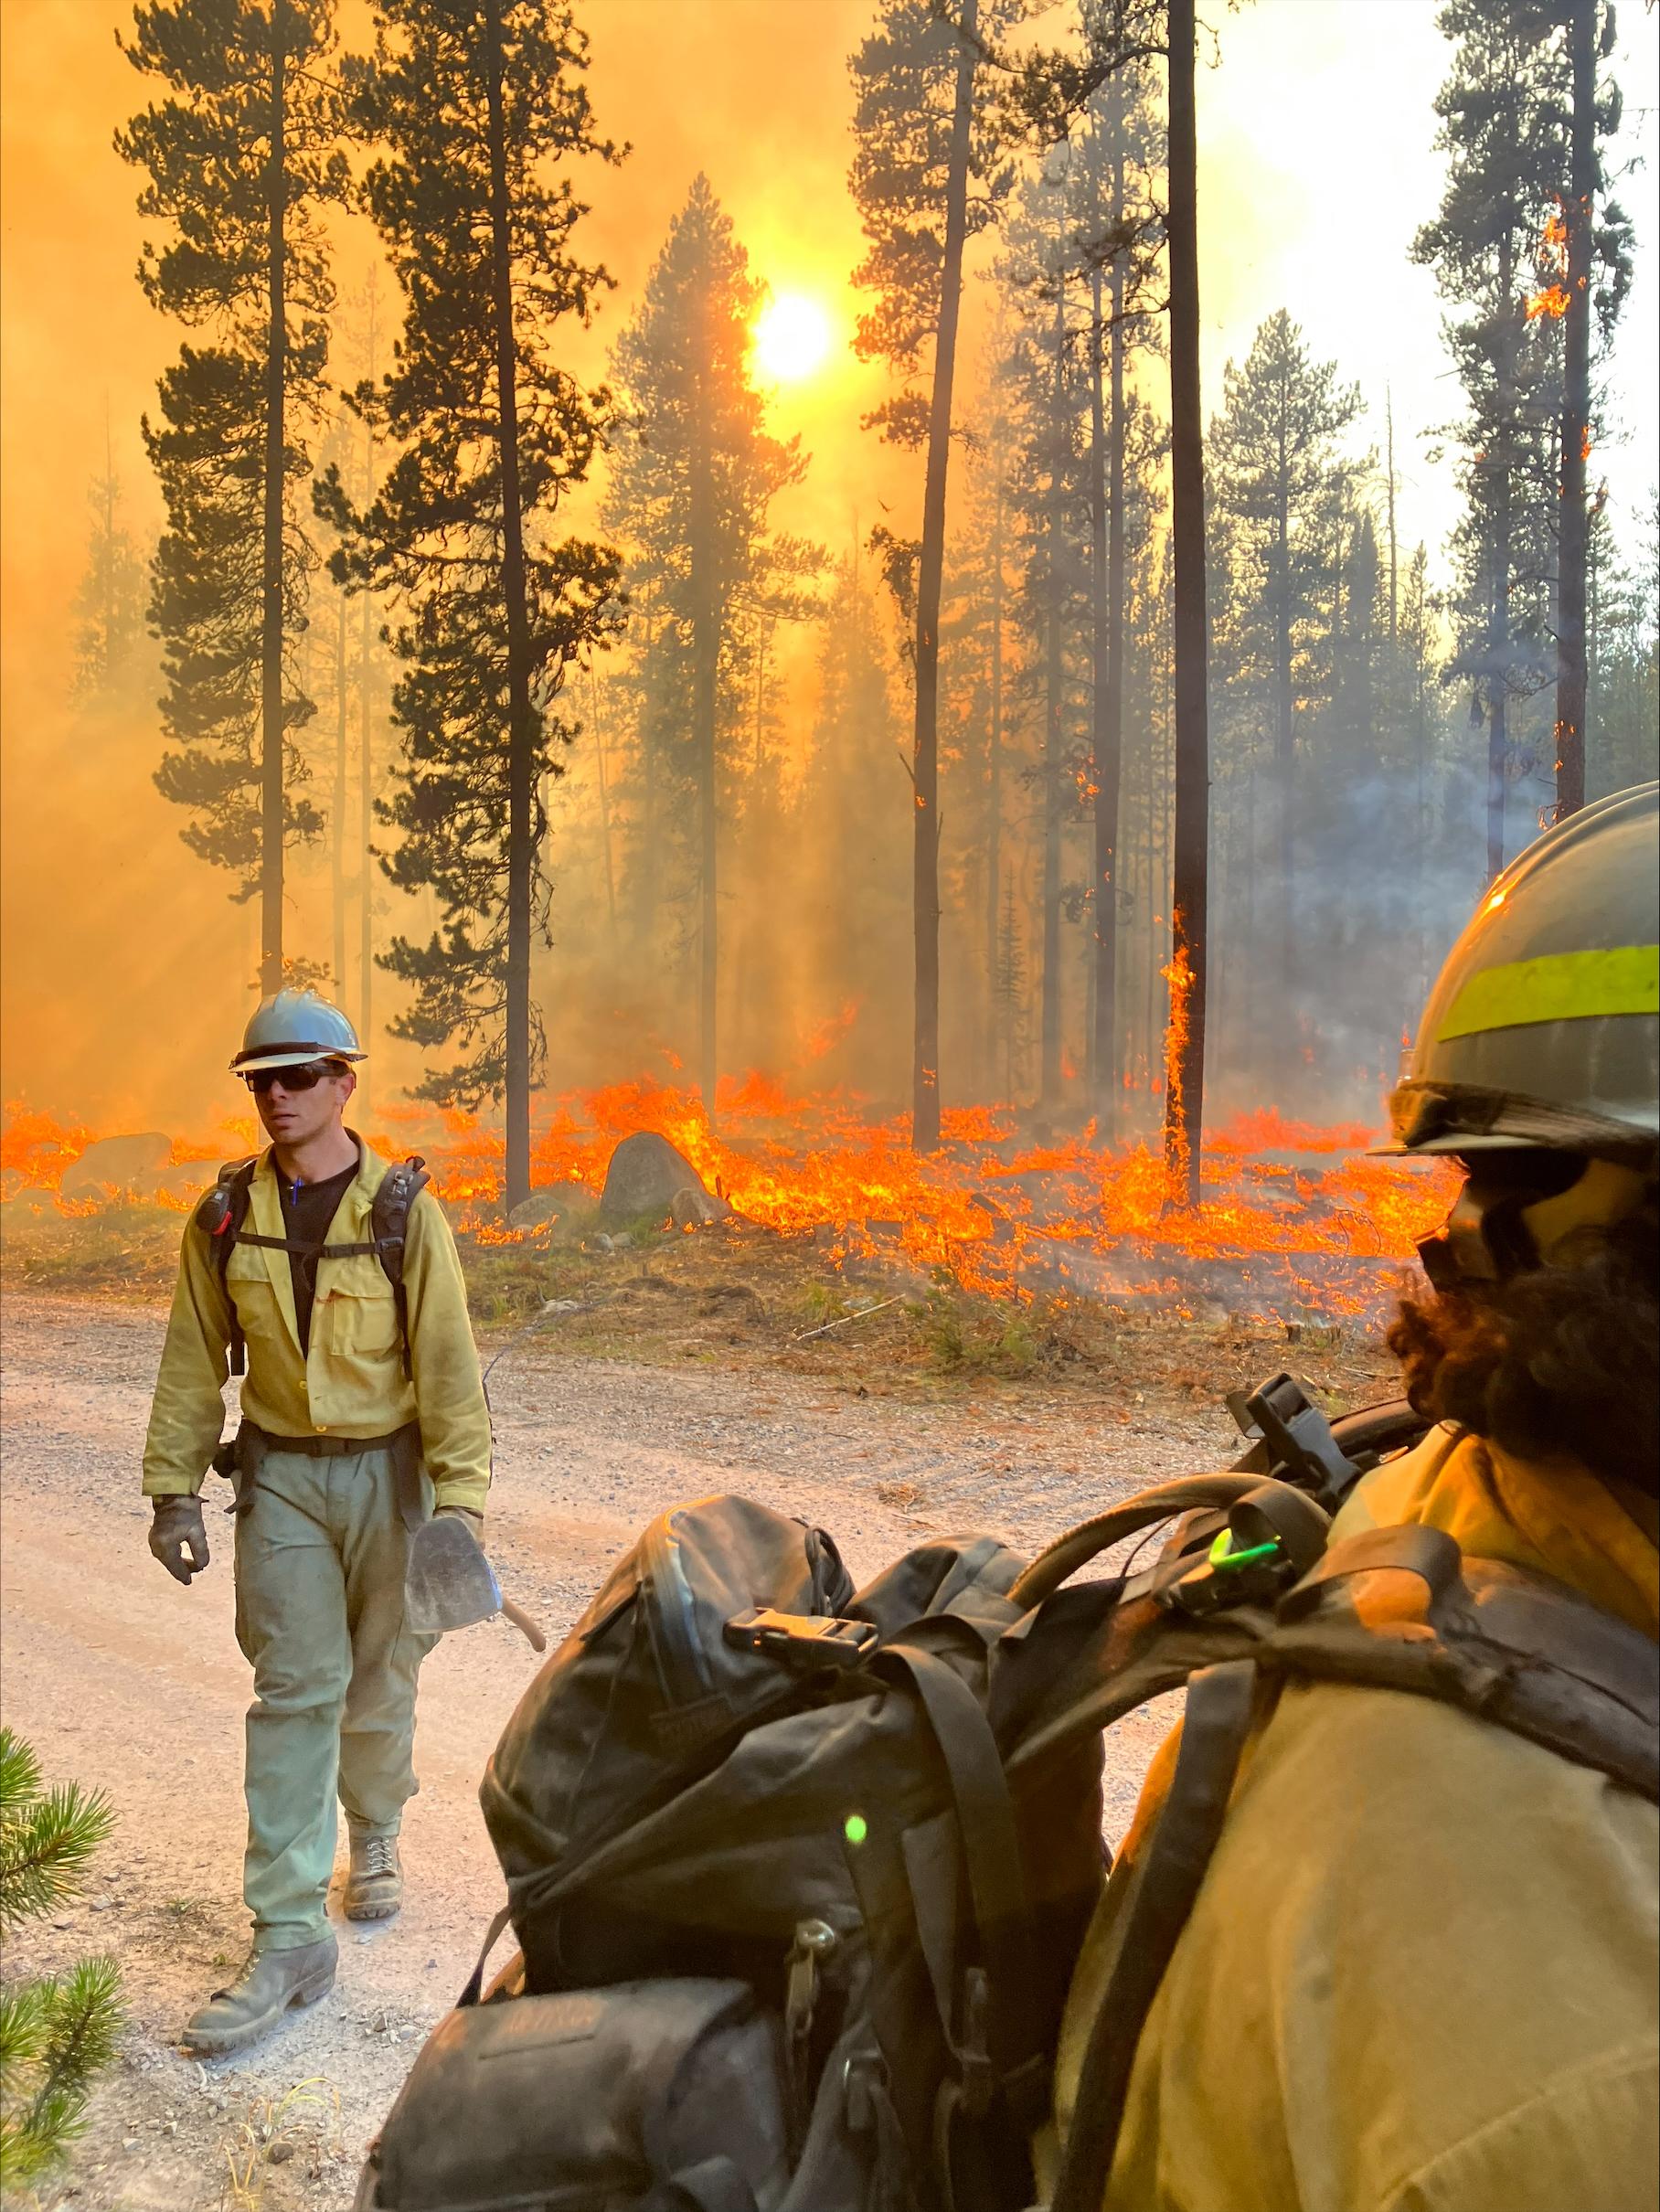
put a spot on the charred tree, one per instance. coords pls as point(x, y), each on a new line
point(1185, 1086)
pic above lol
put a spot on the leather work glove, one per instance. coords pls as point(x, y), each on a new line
point(178, 1536)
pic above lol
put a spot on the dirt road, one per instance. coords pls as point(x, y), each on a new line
point(118, 1676)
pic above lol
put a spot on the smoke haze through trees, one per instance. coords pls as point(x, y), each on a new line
point(1357, 806)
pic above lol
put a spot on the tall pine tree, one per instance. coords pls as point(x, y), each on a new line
point(924, 132)
point(692, 482)
point(1495, 246)
point(1283, 488)
point(478, 107)
point(109, 603)
point(242, 156)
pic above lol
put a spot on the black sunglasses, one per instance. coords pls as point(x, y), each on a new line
point(305, 1077)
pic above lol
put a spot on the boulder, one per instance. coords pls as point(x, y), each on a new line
point(646, 1175)
point(564, 1203)
point(114, 1164)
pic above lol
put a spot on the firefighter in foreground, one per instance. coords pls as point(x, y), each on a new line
point(363, 1413)
point(1420, 1973)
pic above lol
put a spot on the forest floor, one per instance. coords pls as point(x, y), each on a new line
point(637, 1380)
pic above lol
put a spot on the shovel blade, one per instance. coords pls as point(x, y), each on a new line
point(450, 1584)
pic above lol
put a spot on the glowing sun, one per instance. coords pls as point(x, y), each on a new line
point(793, 337)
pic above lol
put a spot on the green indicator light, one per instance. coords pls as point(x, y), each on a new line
point(855, 1827)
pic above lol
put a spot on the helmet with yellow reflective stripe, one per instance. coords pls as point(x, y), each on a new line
point(1543, 1029)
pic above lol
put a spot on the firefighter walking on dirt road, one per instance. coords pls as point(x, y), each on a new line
point(334, 1277)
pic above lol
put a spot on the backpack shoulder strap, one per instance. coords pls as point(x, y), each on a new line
point(1399, 1608)
point(390, 1224)
point(219, 1214)
point(1404, 1609)
point(1222, 1706)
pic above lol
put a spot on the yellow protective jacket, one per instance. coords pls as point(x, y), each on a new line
point(1420, 1973)
point(352, 1381)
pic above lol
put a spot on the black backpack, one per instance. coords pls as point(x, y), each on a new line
point(799, 1876)
point(221, 1212)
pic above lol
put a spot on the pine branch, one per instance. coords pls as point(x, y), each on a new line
point(56, 2035)
point(45, 1844)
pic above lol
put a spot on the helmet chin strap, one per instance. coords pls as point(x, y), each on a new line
point(1498, 1228)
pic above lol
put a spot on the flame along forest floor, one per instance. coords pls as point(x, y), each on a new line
point(626, 1381)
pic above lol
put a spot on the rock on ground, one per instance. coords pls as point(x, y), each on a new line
point(646, 1175)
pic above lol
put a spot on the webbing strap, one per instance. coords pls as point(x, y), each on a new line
point(1220, 1706)
point(990, 1845)
point(310, 1252)
point(475, 1980)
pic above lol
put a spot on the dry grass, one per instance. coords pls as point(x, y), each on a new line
point(738, 1296)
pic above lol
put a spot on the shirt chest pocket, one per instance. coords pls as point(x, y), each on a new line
point(259, 1313)
point(356, 1319)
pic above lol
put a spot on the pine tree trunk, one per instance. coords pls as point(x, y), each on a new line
point(1576, 420)
point(1054, 673)
point(1498, 622)
point(598, 755)
point(337, 810)
point(1185, 1101)
point(271, 580)
point(931, 563)
point(706, 670)
point(994, 794)
point(1107, 501)
point(365, 785)
point(521, 747)
point(1284, 734)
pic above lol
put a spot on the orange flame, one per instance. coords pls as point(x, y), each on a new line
point(998, 1217)
point(1179, 976)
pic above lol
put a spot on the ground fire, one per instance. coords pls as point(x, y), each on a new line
point(1292, 1218)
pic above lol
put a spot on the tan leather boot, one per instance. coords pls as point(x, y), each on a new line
point(269, 1982)
point(374, 1880)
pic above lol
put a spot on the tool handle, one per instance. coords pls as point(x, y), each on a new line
point(526, 1626)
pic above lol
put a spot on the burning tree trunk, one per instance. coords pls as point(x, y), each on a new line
point(1576, 418)
point(1184, 1088)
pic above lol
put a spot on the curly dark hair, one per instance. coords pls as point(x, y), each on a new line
point(1563, 1357)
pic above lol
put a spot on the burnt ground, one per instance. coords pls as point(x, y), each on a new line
point(626, 1381)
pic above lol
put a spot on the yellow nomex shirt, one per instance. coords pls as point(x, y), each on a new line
point(352, 1380)
point(1422, 1972)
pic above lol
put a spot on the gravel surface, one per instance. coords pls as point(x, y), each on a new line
point(120, 1677)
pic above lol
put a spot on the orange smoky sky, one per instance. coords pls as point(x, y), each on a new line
point(127, 970)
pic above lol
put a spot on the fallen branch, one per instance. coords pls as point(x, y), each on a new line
point(842, 1319)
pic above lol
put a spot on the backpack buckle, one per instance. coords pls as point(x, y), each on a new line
point(1232, 1573)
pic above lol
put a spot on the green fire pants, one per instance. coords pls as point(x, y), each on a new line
point(321, 1551)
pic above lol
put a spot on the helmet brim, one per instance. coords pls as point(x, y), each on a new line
point(290, 1055)
point(1451, 1145)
